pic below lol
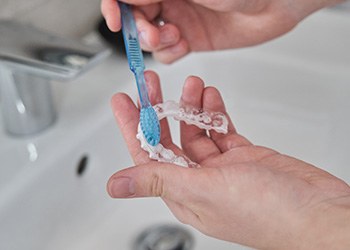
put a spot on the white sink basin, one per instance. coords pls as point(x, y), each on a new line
point(291, 94)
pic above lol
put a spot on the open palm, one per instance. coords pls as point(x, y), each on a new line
point(241, 192)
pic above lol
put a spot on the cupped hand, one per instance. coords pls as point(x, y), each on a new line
point(241, 192)
point(202, 25)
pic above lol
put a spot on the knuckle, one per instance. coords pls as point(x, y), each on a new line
point(157, 185)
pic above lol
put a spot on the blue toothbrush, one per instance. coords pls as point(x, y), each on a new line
point(148, 117)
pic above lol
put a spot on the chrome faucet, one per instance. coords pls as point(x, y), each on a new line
point(29, 59)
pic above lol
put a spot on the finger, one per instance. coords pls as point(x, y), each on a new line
point(172, 53)
point(127, 116)
point(184, 190)
point(164, 41)
point(187, 191)
point(154, 38)
point(110, 11)
point(169, 35)
point(149, 34)
point(195, 142)
point(153, 87)
point(155, 95)
point(155, 179)
point(151, 11)
point(213, 101)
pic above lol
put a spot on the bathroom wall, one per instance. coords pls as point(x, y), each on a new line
point(72, 18)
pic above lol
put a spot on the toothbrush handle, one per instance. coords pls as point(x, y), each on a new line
point(142, 89)
point(131, 39)
point(128, 21)
point(134, 52)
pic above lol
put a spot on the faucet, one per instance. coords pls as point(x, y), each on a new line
point(29, 60)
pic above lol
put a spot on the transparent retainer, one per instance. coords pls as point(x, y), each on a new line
point(201, 118)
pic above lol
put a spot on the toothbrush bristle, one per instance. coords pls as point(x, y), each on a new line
point(150, 125)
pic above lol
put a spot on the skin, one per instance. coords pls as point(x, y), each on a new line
point(203, 25)
point(241, 192)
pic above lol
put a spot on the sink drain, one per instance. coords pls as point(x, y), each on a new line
point(164, 237)
point(82, 165)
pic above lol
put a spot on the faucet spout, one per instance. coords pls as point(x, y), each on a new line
point(27, 103)
point(29, 59)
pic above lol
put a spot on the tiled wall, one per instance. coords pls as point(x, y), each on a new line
point(73, 18)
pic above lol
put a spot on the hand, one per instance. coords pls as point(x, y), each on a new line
point(242, 193)
point(204, 25)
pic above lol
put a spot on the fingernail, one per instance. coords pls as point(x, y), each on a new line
point(122, 187)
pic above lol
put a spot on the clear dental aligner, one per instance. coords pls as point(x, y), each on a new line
point(203, 119)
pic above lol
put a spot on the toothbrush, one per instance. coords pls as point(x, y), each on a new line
point(148, 117)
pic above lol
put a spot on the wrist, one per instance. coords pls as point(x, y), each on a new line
point(304, 8)
point(328, 225)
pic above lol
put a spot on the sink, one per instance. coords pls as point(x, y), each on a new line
point(291, 94)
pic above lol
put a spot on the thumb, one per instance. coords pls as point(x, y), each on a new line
point(153, 179)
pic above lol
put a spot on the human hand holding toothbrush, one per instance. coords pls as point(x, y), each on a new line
point(203, 25)
point(242, 193)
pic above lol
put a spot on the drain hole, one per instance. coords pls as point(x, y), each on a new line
point(82, 165)
point(164, 237)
